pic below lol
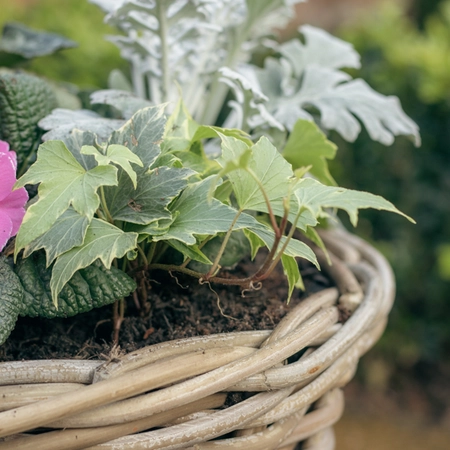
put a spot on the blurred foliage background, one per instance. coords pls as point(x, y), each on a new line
point(88, 65)
point(405, 49)
point(407, 53)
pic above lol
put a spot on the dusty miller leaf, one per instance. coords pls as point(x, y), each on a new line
point(125, 102)
point(61, 122)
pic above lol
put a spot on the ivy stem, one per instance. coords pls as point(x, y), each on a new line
point(216, 262)
point(272, 217)
point(277, 258)
point(143, 256)
point(150, 253)
point(105, 206)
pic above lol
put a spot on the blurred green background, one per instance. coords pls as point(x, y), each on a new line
point(405, 49)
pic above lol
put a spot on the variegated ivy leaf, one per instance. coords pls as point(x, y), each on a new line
point(116, 154)
point(142, 134)
point(292, 273)
point(271, 170)
point(194, 214)
point(66, 233)
point(102, 241)
point(148, 202)
point(63, 183)
point(315, 197)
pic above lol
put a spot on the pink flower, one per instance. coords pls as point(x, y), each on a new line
point(12, 203)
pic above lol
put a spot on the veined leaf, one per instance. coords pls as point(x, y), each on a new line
point(63, 182)
point(142, 134)
point(89, 288)
point(148, 202)
point(189, 251)
point(294, 248)
point(315, 196)
point(116, 154)
point(290, 269)
point(196, 215)
point(103, 241)
point(270, 168)
point(67, 232)
point(308, 146)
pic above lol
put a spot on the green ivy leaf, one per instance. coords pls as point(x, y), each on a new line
point(11, 295)
point(63, 182)
point(290, 269)
point(308, 146)
point(148, 203)
point(196, 215)
point(294, 248)
point(270, 168)
point(190, 251)
point(103, 241)
point(67, 232)
point(89, 288)
point(315, 196)
point(116, 154)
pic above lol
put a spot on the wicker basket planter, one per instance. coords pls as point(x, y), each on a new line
point(171, 395)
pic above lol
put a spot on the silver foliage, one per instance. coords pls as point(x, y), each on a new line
point(305, 81)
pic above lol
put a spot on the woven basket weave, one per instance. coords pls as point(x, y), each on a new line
point(171, 395)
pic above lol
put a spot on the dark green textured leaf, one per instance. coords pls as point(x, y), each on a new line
point(24, 101)
point(89, 288)
point(29, 43)
point(11, 294)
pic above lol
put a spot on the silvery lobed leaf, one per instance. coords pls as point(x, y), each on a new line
point(125, 102)
point(61, 122)
point(306, 79)
point(248, 108)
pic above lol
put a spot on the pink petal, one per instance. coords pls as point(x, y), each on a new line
point(5, 229)
point(4, 147)
point(13, 206)
point(8, 165)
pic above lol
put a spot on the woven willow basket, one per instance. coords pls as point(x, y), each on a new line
point(171, 395)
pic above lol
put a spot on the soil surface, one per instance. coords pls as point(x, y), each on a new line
point(177, 307)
